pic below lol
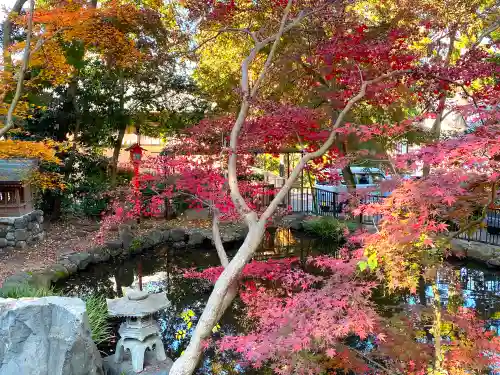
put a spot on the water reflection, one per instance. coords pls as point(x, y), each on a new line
point(160, 272)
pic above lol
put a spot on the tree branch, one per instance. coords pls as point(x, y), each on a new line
point(20, 80)
point(324, 148)
point(486, 33)
point(277, 39)
point(218, 240)
point(249, 215)
point(462, 86)
point(481, 218)
point(7, 29)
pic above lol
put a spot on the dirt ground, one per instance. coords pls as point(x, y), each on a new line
point(69, 236)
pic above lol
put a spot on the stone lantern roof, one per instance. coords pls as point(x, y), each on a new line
point(136, 304)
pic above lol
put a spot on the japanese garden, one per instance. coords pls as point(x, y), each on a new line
point(222, 187)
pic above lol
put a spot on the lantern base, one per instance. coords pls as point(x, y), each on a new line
point(151, 365)
point(138, 351)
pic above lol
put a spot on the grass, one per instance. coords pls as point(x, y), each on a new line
point(97, 311)
point(328, 228)
point(26, 291)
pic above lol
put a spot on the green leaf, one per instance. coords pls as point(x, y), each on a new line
point(362, 266)
point(372, 261)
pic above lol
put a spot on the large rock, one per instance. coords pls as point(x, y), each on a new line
point(126, 235)
point(21, 234)
point(71, 267)
point(46, 336)
point(196, 214)
point(3, 242)
point(100, 254)
point(21, 245)
point(35, 228)
point(20, 222)
point(177, 234)
point(82, 260)
point(155, 237)
point(114, 247)
point(196, 238)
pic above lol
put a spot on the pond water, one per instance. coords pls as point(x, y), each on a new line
point(160, 270)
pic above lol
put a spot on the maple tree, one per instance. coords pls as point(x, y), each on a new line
point(368, 78)
point(359, 71)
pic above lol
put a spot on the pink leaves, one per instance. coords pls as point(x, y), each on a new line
point(449, 200)
point(293, 316)
point(331, 352)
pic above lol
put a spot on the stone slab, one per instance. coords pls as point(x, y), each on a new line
point(489, 254)
point(153, 366)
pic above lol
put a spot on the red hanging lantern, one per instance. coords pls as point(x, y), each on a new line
point(136, 152)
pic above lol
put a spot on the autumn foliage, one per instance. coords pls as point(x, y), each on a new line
point(359, 77)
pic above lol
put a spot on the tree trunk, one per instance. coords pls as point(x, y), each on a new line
point(72, 91)
point(219, 300)
point(350, 182)
point(116, 155)
point(7, 30)
point(436, 332)
point(436, 127)
point(9, 123)
point(121, 132)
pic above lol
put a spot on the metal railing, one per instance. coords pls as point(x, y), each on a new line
point(321, 202)
point(489, 232)
point(313, 201)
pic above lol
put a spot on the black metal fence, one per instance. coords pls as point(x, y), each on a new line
point(314, 201)
point(322, 202)
point(489, 232)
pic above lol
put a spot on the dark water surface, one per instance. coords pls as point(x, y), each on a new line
point(477, 286)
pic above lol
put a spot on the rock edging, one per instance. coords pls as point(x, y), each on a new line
point(480, 252)
point(127, 245)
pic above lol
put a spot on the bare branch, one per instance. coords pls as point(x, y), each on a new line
point(462, 86)
point(277, 37)
point(486, 33)
point(324, 148)
point(360, 74)
point(20, 80)
point(481, 218)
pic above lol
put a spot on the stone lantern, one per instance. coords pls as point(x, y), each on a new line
point(139, 332)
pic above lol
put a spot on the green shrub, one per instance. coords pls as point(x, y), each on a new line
point(326, 227)
point(97, 312)
point(26, 291)
point(89, 197)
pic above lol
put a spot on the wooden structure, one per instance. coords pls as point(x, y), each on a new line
point(16, 193)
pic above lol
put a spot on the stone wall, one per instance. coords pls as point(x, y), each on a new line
point(19, 232)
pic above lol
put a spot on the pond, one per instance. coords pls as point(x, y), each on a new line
point(160, 270)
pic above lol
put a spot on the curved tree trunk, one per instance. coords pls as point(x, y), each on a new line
point(9, 123)
point(220, 299)
point(7, 30)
